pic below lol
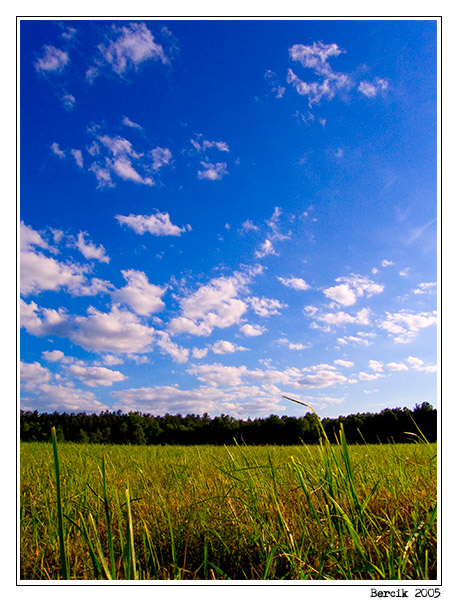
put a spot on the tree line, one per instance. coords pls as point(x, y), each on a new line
point(391, 425)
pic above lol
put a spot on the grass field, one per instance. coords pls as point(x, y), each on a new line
point(241, 513)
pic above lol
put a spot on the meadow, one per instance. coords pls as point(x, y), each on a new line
point(317, 512)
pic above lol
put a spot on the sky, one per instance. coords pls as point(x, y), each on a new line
point(214, 214)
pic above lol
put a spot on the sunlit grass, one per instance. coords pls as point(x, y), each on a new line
point(272, 512)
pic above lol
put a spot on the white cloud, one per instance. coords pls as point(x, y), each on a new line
point(40, 272)
point(266, 249)
point(78, 156)
point(296, 283)
point(369, 376)
point(102, 174)
point(178, 353)
point(44, 321)
point(323, 378)
point(33, 375)
point(143, 297)
point(394, 366)
point(211, 171)
point(266, 307)
point(221, 146)
point(404, 326)
point(342, 294)
point(131, 45)
point(122, 166)
point(226, 347)
point(387, 263)
point(128, 123)
point(419, 365)
point(252, 330)
point(95, 376)
point(240, 402)
point(328, 320)
point(351, 288)
point(373, 89)
point(343, 363)
point(49, 397)
point(376, 365)
point(90, 250)
point(118, 146)
point(118, 331)
point(56, 356)
point(57, 150)
point(160, 158)
point(217, 374)
point(425, 288)
point(53, 60)
point(248, 226)
point(214, 305)
point(156, 224)
point(361, 339)
point(316, 57)
point(199, 352)
point(111, 359)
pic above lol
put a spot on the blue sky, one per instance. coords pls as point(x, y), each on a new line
point(217, 213)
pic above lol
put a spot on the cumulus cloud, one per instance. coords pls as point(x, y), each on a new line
point(57, 150)
point(128, 47)
point(322, 378)
point(405, 325)
point(167, 346)
point(361, 339)
point(78, 156)
point(329, 320)
point(372, 89)
point(248, 225)
point(95, 376)
point(369, 376)
point(123, 167)
point(252, 330)
point(211, 171)
point(214, 305)
point(90, 250)
point(53, 60)
point(351, 288)
point(296, 283)
point(118, 331)
point(143, 297)
point(49, 397)
point(157, 224)
point(425, 288)
point(343, 363)
point(217, 374)
point(419, 365)
point(265, 307)
point(226, 347)
point(33, 375)
point(44, 273)
point(44, 321)
point(395, 366)
point(243, 401)
point(376, 365)
point(128, 123)
point(266, 249)
point(160, 158)
point(315, 57)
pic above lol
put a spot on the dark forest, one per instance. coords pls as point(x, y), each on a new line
point(392, 425)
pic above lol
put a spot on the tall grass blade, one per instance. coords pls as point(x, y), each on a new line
point(63, 555)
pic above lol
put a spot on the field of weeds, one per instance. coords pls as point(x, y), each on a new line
point(333, 512)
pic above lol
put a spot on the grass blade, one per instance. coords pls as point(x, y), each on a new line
point(63, 555)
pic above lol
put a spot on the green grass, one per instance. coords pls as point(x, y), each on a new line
point(243, 513)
